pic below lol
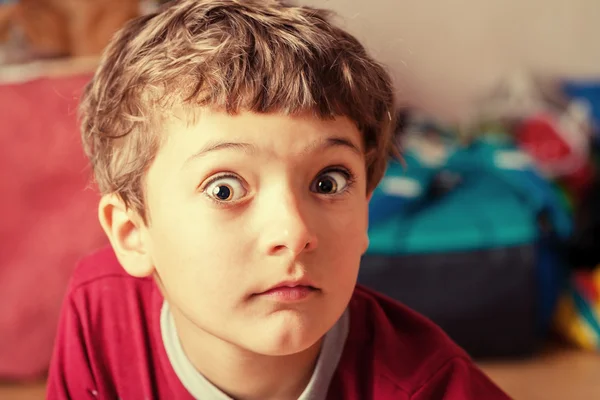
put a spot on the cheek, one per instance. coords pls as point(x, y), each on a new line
point(352, 221)
point(344, 233)
point(196, 261)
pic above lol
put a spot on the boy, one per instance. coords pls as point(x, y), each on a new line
point(236, 144)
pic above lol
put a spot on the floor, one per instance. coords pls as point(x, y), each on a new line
point(559, 373)
point(32, 391)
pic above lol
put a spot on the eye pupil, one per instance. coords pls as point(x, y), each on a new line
point(222, 192)
point(326, 185)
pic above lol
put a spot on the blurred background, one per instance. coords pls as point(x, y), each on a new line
point(490, 225)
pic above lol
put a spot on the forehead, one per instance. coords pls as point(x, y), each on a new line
point(276, 135)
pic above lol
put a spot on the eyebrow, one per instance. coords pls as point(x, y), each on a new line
point(330, 142)
point(216, 146)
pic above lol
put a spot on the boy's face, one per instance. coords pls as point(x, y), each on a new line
point(242, 209)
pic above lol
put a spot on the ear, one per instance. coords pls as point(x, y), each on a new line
point(125, 230)
point(366, 238)
point(366, 243)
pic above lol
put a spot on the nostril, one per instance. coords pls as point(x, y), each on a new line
point(282, 247)
point(278, 248)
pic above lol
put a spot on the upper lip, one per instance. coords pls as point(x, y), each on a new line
point(292, 283)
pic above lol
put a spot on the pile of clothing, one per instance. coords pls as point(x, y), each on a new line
point(481, 226)
point(32, 29)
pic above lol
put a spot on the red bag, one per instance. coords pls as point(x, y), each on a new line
point(48, 216)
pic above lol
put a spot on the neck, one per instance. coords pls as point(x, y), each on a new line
point(226, 365)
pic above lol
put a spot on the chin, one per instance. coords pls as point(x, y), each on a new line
point(284, 335)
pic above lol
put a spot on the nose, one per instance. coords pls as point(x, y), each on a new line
point(288, 228)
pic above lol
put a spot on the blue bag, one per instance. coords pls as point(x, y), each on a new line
point(482, 220)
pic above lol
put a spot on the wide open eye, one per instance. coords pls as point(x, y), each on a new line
point(330, 182)
point(225, 189)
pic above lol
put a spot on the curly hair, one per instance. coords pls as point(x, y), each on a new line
point(262, 56)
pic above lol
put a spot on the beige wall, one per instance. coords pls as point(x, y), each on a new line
point(446, 53)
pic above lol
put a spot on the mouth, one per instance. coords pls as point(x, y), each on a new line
point(289, 292)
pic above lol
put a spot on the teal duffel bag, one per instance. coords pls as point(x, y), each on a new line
point(474, 243)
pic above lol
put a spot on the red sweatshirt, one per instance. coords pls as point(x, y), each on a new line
point(109, 346)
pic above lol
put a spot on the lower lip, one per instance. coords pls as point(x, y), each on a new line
point(289, 294)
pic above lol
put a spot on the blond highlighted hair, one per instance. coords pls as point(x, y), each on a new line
point(262, 56)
